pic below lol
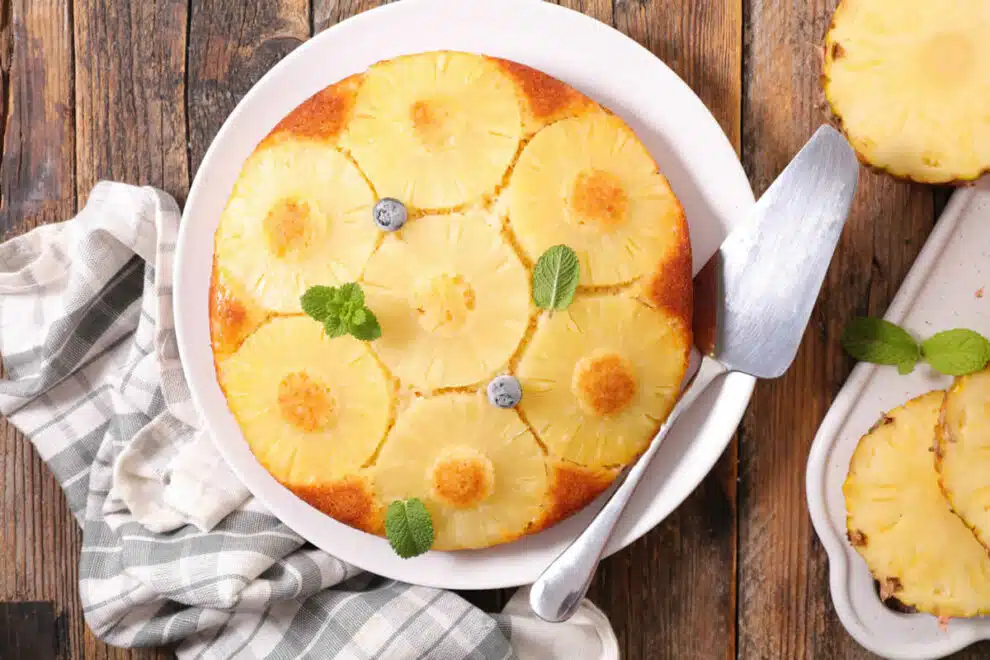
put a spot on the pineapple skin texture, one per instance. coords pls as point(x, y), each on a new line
point(431, 445)
point(962, 452)
point(899, 521)
point(908, 82)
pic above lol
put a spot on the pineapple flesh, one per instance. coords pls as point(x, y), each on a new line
point(298, 217)
point(589, 183)
point(312, 409)
point(600, 377)
point(477, 468)
point(452, 299)
point(910, 82)
point(437, 131)
point(900, 522)
point(351, 426)
point(963, 452)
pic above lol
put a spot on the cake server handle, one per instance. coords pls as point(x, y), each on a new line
point(558, 592)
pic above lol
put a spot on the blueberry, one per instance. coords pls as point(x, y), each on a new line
point(389, 214)
point(505, 391)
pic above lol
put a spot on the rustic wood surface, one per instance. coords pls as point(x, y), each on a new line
point(135, 90)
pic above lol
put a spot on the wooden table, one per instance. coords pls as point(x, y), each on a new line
point(134, 90)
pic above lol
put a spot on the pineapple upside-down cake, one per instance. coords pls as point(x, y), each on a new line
point(494, 163)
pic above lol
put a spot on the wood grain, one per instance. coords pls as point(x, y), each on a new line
point(785, 610)
point(39, 539)
point(672, 593)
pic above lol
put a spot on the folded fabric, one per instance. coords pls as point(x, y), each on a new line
point(175, 550)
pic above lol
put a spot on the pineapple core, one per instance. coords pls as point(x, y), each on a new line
point(603, 383)
point(444, 304)
point(287, 227)
point(598, 199)
point(462, 477)
point(432, 122)
point(305, 403)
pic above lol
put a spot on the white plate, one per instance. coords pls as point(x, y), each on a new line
point(612, 69)
point(940, 292)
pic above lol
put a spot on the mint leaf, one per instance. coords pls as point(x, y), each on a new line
point(369, 330)
point(352, 295)
point(555, 278)
point(359, 316)
point(316, 300)
point(334, 326)
point(880, 342)
point(956, 352)
point(905, 368)
point(409, 527)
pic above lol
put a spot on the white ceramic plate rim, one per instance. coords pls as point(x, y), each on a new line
point(693, 152)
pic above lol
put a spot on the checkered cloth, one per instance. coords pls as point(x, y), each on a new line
point(174, 548)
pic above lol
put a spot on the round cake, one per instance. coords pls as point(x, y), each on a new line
point(457, 384)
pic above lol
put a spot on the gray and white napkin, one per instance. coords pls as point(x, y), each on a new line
point(175, 550)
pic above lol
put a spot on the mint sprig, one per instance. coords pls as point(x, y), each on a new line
point(954, 352)
point(555, 278)
point(342, 311)
point(409, 527)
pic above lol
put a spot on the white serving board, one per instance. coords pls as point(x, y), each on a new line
point(943, 290)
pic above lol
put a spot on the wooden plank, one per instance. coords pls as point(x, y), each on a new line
point(672, 593)
point(39, 538)
point(327, 13)
point(785, 609)
point(231, 45)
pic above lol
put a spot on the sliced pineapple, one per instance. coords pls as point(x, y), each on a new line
point(477, 468)
point(435, 130)
point(900, 522)
point(963, 452)
point(589, 183)
point(451, 297)
point(234, 314)
point(299, 215)
point(910, 82)
point(600, 377)
point(313, 409)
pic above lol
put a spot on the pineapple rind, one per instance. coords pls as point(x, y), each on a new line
point(900, 522)
point(460, 232)
point(909, 82)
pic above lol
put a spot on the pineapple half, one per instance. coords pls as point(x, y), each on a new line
point(910, 82)
point(452, 299)
point(477, 468)
point(437, 130)
point(298, 217)
point(312, 409)
point(589, 183)
point(962, 454)
point(900, 522)
point(600, 377)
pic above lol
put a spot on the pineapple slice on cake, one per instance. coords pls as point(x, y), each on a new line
point(900, 522)
point(452, 300)
point(600, 377)
point(476, 467)
point(910, 82)
point(312, 409)
point(589, 183)
point(963, 452)
point(435, 130)
point(299, 216)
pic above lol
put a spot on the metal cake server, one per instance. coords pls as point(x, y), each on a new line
point(766, 277)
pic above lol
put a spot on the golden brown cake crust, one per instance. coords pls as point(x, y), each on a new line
point(670, 287)
point(233, 316)
point(350, 500)
point(322, 116)
point(546, 98)
point(572, 487)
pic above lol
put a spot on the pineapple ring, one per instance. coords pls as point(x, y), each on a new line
point(589, 183)
point(314, 413)
point(616, 408)
point(901, 524)
point(963, 452)
point(299, 216)
point(469, 440)
point(452, 299)
point(435, 132)
point(911, 86)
